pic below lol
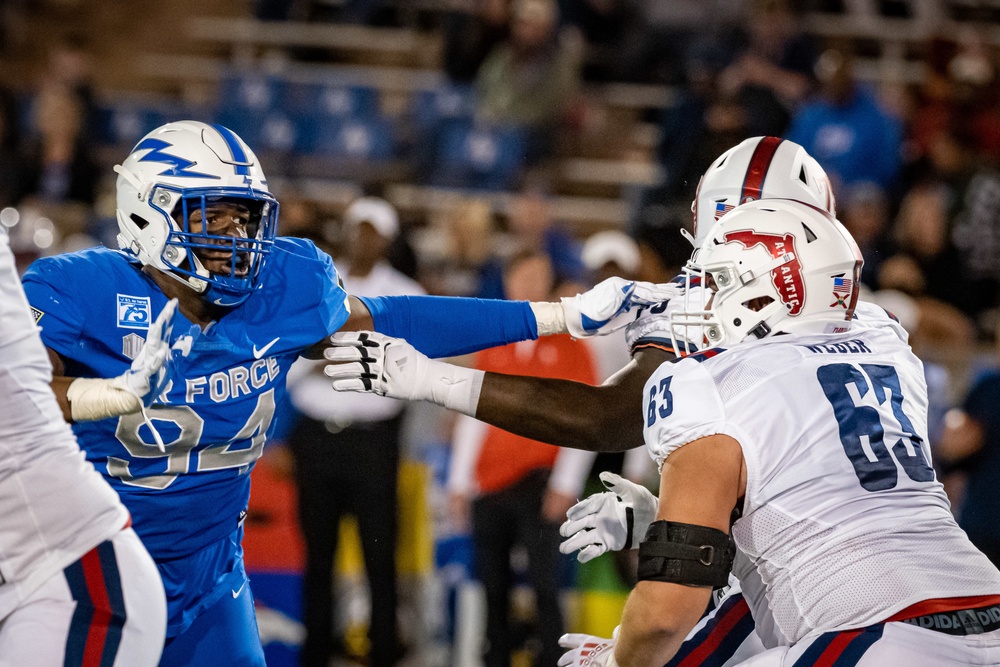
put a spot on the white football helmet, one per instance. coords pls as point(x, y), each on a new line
point(171, 172)
point(759, 168)
point(772, 266)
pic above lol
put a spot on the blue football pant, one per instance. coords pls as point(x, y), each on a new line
point(224, 635)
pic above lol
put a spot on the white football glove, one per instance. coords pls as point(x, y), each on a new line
point(588, 650)
point(371, 362)
point(610, 521)
point(603, 308)
point(135, 389)
point(150, 370)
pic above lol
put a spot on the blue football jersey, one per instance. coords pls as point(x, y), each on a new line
point(94, 308)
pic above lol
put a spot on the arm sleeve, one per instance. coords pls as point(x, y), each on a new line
point(442, 326)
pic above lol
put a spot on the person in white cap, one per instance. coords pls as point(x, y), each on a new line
point(347, 454)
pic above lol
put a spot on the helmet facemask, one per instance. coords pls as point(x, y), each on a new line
point(735, 302)
point(222, 241)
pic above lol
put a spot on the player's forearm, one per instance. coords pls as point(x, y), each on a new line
point(647, 638)
point(561, 412)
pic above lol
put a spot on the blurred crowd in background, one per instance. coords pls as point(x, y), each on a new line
point(563, 136)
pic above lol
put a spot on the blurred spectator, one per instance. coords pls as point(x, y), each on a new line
point(970, 446)
point(607, 254)
point(610, 253)
point(532, 227)
point(774, 71)
point(470, 36)
point(70, 67)
point(926, 262)
point(453, 248)
point(959, 89)
point(864, 210)
point(976, 224)
point(846, 130)
point(347, 451)
point(666, 37)
point(530, 79)
point(663, 250)
point(12, 174)
point(608, 27)
point(59, 165)
point(517, 497)
point(299, 217)
point(927, 267)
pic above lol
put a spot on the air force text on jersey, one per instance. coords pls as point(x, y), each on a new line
point(234, 382)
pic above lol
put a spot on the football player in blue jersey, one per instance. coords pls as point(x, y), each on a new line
point(176, 425)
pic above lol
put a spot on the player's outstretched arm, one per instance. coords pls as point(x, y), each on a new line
point(88, 399)
point(442, 326)
point(560, 412)
point(606, 418)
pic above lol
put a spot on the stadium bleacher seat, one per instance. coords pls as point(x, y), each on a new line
point(471, 155)
point(331, 100)
point(352, 137)
point(124, 124)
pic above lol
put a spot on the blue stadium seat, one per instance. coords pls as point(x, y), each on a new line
point(250, 92)
point(477, 156)
point(357, 138)
point(431, 108)
point(249, 104)
point(331, 101)
point(125, 124)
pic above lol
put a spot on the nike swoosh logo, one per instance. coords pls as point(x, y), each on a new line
point(239, 590)
point(257, 354)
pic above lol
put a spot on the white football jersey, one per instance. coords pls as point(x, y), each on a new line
point(844, 522)
point(54, 507)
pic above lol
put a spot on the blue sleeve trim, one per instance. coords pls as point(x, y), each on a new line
point(441, 326)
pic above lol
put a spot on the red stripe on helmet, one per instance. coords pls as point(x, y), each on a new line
point(760, 162)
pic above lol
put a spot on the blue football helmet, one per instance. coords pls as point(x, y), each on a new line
point(183, 167)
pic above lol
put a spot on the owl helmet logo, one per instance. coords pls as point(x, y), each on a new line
point(786, 278)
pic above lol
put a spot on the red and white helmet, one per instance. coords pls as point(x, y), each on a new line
point(774, 266)
point(759, 168)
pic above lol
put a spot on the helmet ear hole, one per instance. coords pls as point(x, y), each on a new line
point(139, 221)
point(758, 304)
